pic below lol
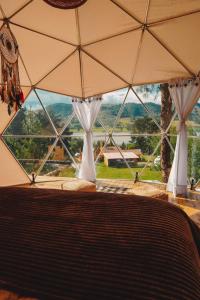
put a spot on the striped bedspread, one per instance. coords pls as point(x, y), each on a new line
point(79, 246)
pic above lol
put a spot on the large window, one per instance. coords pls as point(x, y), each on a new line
point(47, 138)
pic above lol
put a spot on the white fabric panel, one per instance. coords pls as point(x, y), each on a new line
point(100, 19)
point(155, 64)
point(65, 79)
point(160, 9)
point(11, 6)
point(11, 172)
point(87, 112)
point(185, 95)
point(59, 23)
point(97, 78)
point(39, 53)
point(136, 8)
point(121, 61)
point(174, 34)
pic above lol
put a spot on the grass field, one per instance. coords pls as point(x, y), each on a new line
point(116, 173)
point(124, 173)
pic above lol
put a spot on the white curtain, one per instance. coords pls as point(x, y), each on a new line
point(185, 94)
point(87, 111)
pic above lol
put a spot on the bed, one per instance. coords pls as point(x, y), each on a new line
point(71, 246)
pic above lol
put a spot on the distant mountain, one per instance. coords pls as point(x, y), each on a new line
point(61, 110)
point(131, 110)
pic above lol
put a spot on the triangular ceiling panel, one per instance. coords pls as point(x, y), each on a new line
point(105, 28)
point(137, 8)
point(39, 53)
point(121, 61)
point(9, 6)
point(11, 172)
point(65, 79)
point(155, 63)
point(101, 19)
point(160, 9)
point(24, 79)
point(187, 29)
point(98, 79)
point(26, 90)
point(59, 23)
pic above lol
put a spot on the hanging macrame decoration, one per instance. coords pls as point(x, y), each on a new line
point(65, 4)
point(10, 90)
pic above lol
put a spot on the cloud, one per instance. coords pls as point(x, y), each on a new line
point(47, 98)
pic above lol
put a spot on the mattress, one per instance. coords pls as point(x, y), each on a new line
point(70, 245)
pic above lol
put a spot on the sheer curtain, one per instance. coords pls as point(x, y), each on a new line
point(87, 111)
point(185, 94)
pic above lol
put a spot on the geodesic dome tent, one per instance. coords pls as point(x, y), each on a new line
point(96, 48)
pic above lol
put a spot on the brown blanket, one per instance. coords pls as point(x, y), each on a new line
point(67, 245)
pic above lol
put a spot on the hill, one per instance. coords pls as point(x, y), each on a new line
point(60, 109)
point(131, 110)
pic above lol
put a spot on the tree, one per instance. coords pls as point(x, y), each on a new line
point(165, 118)
point(145, 143)
point(194, 158)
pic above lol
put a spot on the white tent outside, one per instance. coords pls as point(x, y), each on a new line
point(101, 46)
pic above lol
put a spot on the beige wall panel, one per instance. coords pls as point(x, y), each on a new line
point(136, 8)
point(185, 40)
point(59, 23)
point(25, 90)
point(11, 173)
point(24, 80)
point(118, 53)
point(155, 63)
point(11, 6)
point(65, 79)
point(39, 53)
point(4, 116)
point(97, 79)
point(100, 19)
point(162, 9)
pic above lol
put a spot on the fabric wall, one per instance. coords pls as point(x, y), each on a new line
point(10, 171)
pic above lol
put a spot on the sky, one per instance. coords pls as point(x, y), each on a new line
point(116, 97)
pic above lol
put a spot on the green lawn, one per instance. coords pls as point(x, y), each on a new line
point(124, 173)
point(67, 172)
point(116, 173)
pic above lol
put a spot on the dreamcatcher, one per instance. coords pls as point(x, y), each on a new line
point(65, 4)
point(10, 90)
